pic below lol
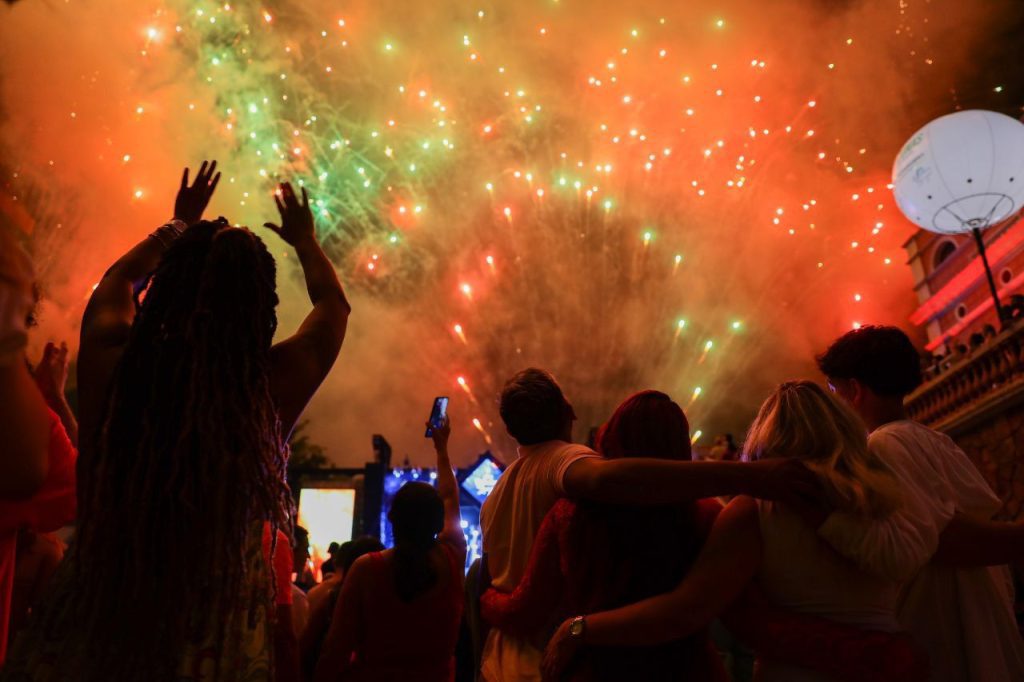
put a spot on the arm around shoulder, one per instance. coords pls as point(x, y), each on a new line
point(725, 565)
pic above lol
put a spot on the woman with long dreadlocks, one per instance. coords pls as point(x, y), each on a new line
point(185, 412)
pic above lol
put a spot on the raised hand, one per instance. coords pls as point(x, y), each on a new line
point(440, 434)
point(51, 374)
point(192, 200)
point(296, 217)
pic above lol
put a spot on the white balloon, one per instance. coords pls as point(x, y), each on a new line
point(961, 171)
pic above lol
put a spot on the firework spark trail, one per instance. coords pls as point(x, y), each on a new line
point(550, 183)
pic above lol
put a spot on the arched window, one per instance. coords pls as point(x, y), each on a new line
point(943, 251)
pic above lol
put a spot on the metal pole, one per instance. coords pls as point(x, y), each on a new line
point(988, 273)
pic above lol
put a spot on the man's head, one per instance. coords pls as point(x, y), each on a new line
point(872, 365)
point(534, 408)
point(300, 549)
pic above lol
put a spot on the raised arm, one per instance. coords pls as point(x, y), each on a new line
point(725, 565)
point(658, 481)
point(448, 488)
point(51, 375)
point(111, 308)
point(302, 361)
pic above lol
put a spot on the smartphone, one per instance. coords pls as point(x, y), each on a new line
point(437, 414)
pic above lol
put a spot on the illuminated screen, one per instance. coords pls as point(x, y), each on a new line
point(327, 513)
point(481, 480)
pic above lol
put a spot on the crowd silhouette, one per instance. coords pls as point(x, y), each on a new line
point(839, 540)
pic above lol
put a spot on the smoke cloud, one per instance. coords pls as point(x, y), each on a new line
point(682, 196)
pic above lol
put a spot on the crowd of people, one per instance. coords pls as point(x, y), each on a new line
point(839, 541)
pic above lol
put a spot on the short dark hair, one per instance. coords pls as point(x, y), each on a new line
point(881, 358)
point(533, 407)
point(353, 549)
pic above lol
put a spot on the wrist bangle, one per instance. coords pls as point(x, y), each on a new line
point(168, 233)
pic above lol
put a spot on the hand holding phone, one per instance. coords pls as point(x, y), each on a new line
point(437, 415)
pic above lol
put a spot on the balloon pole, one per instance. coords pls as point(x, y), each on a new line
point(988, 273)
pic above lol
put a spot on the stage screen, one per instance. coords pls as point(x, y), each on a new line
point(481, 480)
point(327, 513)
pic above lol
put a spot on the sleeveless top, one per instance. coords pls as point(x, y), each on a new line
point(50, 648)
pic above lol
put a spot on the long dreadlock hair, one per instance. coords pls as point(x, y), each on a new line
point(190, 460)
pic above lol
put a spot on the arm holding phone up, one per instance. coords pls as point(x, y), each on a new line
point(439, 429)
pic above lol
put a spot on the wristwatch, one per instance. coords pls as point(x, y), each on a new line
point(577, 628)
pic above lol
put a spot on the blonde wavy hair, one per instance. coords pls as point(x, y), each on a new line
point(801, 419)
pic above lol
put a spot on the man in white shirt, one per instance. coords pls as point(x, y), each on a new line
point(962, 615)
point(550, 466)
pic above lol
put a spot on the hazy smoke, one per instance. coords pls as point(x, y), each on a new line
point(711, 141)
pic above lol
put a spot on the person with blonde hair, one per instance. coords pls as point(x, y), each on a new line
point(768, 545)
point(803, 419)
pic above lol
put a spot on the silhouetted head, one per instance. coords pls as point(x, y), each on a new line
point(875, 359)
point(300, 549)
point(417, 516)
point(354, 549)
point(647, 424)
point(214, 281)
point(534, 408)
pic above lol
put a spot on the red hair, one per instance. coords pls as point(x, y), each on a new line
point(646, 424)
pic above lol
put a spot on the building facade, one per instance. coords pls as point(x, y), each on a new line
point(974, 388)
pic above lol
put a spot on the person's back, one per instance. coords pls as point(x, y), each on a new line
point(801, 573)
point(874, 369)
point(538, 416)
point(183, 456)
point(406, 640)
point(615, 555)
point(398, 614)
point(944, 603)
point(517, 505)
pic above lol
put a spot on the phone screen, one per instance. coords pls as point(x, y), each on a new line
point(437, 414)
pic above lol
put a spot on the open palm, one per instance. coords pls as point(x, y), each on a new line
point(296, 217)
point(193, 199)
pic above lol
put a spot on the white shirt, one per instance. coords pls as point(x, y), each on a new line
point(510, 519)
point(962, 617)
point(801, 573)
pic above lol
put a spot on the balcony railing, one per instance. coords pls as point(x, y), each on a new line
point(972, 388)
